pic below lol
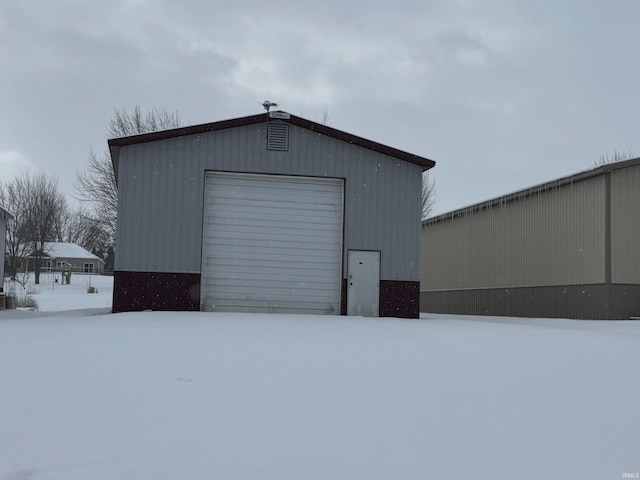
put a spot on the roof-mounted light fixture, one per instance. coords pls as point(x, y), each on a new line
point(268, 104)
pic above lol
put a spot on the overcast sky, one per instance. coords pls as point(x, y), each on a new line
point(501, 94)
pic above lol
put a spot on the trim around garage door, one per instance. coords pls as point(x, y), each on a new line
point(272, 243)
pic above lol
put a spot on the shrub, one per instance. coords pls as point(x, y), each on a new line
point(25, 300)
point(31, 290)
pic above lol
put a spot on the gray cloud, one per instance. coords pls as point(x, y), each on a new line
point(503, 94)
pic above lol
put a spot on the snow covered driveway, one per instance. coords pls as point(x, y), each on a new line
point(243, 396)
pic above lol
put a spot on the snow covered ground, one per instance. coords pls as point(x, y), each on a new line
point(54, 296)
point(176, 395)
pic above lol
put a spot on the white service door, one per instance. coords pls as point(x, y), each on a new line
point(363, 283)
point(271, 243)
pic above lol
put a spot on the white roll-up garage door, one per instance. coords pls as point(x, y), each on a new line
point(271, 243)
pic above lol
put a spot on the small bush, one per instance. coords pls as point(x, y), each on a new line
point(31, 290)
point(92, 290)
point(25, 300)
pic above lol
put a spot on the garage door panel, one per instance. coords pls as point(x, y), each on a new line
point(282, 215)
point(230, 270)
point(225, 250)
point(271, 197)
point(283, 233)
point(319, 214)
point(276, 256)
point(261, 230)
point(227, 246)
point(257, 189)
point(229, 266)
point(267, 306)
point(272, 243)
point(274, 197)
point(237, 291)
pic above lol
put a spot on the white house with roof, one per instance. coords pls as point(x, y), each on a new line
point(68, 257)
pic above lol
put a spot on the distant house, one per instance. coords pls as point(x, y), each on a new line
point(4, 217)
point(67, 257)
point(567, 248)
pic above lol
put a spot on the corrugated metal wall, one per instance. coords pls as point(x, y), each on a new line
point(625, 225)
point(555, 237)
point(161, 195)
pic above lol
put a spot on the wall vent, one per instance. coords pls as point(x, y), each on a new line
point(278, 137)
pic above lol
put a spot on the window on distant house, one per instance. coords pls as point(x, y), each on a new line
point(88, 268)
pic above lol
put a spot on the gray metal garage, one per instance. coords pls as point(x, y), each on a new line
point(267, 213)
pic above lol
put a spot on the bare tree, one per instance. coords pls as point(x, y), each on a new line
point(11, 200)
point(616, 156)
point(38, 204)
point(81, 228)
point(45, 205)
point(125, 123)
point(428, 195)
point(324, 118)
point(96, 186)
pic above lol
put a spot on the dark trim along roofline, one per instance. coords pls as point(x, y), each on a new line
point(116, 143)
point(7, 215)
point(535, 190)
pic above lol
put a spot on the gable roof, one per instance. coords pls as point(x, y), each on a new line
point(5, 214)
point(68, 250)
point(116, 143)
point(535, 190)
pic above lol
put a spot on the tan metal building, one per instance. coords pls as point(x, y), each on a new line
point(565, 249)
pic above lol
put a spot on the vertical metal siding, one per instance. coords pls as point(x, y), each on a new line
point(625, 225)
point(157, 213)
point(161, 195)
point(555, 237)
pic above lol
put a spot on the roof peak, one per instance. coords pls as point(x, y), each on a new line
point(116, 143)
